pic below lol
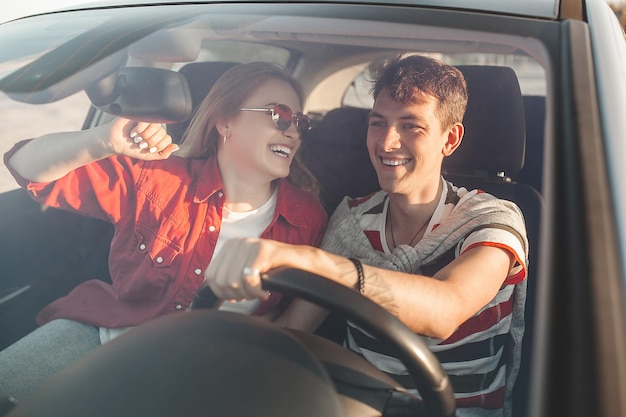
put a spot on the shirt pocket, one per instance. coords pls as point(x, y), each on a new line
point(161, 250)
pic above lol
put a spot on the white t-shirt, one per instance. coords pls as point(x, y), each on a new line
point(244, 224)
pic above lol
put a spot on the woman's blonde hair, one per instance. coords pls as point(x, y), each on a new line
point(224, 101)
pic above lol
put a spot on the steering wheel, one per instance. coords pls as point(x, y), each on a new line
point(208, 362)
point(428, 375)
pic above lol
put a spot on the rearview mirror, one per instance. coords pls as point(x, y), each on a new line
point(144, 94)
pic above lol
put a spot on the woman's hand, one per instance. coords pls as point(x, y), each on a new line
point(235, 274)
point(139, 140)
point(51, 156)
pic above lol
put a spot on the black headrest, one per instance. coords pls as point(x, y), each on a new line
point(495, 129)
point(200, 77)
point(336, 154)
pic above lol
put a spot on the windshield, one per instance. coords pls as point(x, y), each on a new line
point(48, 62)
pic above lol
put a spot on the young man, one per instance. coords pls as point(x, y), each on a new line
point(448, 262)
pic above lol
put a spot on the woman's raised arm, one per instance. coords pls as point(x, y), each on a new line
point(51, 156)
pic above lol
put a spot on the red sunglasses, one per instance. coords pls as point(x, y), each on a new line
point(282, 116)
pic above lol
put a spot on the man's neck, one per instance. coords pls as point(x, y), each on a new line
point(408, 216)
point(418, 201)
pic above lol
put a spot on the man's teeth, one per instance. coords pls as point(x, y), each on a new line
point(283, 151)
point(395, 162)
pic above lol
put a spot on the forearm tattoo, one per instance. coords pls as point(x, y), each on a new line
point(378, 290)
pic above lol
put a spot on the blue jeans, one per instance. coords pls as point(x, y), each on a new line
point(35, 358)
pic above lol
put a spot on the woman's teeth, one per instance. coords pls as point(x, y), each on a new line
point(280, 150)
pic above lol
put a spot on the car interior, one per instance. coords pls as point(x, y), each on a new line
point(501, 153)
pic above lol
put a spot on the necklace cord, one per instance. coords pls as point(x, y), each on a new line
point(393, 239)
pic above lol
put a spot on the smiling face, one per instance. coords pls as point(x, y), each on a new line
point(255, 148)
point(407, 144)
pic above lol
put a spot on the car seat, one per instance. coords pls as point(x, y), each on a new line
point(336, 154)
point(200, 77)
point(490, 157)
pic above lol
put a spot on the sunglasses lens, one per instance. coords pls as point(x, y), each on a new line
point(303, 123)
point(282, 116)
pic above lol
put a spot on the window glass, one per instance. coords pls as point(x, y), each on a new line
point(234, 51)
point(24, 121)
point(530, 74)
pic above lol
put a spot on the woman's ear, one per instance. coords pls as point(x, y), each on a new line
point(455, 135)
point(223, 128)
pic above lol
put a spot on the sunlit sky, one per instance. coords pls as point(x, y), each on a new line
point(20, 8)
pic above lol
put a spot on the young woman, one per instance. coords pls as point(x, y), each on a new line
point(235, 174)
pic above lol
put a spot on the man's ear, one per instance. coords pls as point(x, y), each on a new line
point(455, 136)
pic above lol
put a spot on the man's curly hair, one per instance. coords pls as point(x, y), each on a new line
point(413, 78)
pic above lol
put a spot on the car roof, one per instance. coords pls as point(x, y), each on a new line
point(547, 9)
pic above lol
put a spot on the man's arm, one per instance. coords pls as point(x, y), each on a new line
point(302, 315)
point(432, 306)
point(437, 306)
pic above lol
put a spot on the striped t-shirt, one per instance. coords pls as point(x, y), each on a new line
point(476, 356)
